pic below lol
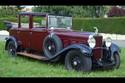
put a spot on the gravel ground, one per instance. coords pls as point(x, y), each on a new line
point(120, 43)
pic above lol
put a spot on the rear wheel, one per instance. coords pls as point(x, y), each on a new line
point(11, 48)
point(75, 60)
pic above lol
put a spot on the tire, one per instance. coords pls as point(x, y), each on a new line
point(75, 60)
point(116, 60)
point(11, 48)
point(51, 45)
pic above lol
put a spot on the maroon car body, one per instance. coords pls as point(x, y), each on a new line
point(33, 39)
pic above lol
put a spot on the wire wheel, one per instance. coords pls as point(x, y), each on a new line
point(11, 48)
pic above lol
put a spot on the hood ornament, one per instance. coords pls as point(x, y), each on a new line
point(96, 30)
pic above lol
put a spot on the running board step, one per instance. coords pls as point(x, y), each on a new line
point(32, 56)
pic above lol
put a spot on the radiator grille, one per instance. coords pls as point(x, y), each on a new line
point(97, 53)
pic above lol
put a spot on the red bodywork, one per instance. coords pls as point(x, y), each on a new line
point(33, 37)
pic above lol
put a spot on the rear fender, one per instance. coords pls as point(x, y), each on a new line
point(11, 38)
point(83, 48)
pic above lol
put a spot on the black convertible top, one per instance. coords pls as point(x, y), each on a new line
point(40, 14)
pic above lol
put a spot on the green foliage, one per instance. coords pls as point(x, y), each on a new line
point(76, 11)
point(105, 25)
point(6, 11)
point(25, 67)
point(2, 25)
point(19, 8)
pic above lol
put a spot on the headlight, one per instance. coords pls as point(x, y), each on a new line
point(108, 42)
point(91, 41)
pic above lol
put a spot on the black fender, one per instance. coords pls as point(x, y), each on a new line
point(114, 49)
point(82, 47)
point(11, 38)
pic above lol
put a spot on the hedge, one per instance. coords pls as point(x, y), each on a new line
point(2, 25)
point(105, 25)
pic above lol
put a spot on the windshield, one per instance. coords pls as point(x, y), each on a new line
point(59, 21)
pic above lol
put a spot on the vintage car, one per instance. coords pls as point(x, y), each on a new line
point(50, 37)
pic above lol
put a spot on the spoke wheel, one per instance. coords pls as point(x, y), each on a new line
point(11, 48)
point(116, 60)
point(75, 60)
point(51, 47)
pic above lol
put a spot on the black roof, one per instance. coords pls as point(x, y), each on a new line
point(40, 14)
point(33, 13)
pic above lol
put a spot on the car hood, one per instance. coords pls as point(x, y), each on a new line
point(79, 36)
point(74, 33)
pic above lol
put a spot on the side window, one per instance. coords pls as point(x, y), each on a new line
point(24, 21)
point(39, 22)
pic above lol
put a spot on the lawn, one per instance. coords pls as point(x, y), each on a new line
point(25, 67)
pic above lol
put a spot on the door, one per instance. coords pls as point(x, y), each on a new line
point(24, 31)
point(38, 32)
point(37, 38)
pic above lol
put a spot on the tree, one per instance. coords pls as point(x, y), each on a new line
point(76, 11)
point(19, 8)
point(8, 11)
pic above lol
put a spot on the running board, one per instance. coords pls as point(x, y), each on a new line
point(32, 56)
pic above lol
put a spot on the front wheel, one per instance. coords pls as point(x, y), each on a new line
point(116, 60)
point(75, 60)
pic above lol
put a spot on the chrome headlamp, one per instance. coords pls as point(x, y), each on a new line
point(108, 42)
point(91, 41)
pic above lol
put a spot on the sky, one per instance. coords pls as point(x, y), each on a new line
point(28, 6)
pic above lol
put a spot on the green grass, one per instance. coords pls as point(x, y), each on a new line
point(24, 67)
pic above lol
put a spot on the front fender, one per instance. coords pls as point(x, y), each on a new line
point(11, 38)
point(114, 49)
point(82, 47)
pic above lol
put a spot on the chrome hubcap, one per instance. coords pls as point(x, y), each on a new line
point(11, 50)
point(75, 63)
point(49, 47)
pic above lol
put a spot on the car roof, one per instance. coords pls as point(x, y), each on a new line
point(40, 14)
point(32, 13)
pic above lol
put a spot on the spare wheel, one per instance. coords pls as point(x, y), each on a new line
point(52, 44)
